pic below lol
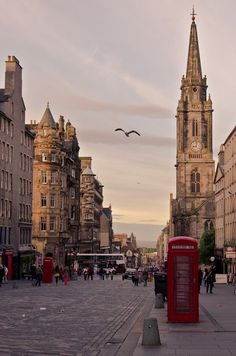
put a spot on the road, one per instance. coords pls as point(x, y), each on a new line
point(82, 318)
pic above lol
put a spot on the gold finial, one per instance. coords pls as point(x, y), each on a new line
point(193, 14)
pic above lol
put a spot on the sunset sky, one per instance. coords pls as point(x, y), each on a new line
point(105, 64)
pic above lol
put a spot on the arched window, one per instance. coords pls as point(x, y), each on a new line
point(194, 128)
point(208, 225)
point(195, 182)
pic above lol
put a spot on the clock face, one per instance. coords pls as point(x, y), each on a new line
point(196, 146)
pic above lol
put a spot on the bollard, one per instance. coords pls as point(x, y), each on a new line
point(151, 336)
point(159, 302)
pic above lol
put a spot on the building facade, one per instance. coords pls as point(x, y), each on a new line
point(225, 196)
point(193, 209)
point(90, 208)
point(56, 182)
point(16, 152)
point(106, 230)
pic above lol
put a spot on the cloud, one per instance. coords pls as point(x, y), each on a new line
point(95, 137)
point(143, 110)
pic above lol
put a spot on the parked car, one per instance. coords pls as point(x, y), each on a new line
point(128, 273)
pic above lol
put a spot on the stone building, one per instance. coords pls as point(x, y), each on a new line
point(90, 208)
point(56, 182)
point(106, 231)
point(16, 151)
point(193, 209)
point(225, 198)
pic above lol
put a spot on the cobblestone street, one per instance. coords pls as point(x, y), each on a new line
point(82, 318)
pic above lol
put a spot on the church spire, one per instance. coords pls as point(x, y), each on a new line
point(194, 71)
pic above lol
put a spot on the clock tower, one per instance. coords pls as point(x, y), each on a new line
point(193, 209)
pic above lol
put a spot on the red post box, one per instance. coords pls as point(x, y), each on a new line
point(47, 269)
point(182, 280)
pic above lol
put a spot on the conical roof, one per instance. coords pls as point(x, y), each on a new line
point(47, 119)
point(194, 71)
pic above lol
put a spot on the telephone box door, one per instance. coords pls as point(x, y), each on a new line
point(183, 280)
point(47, 269)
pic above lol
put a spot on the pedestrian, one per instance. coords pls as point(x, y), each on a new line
point(1, 274)
point(85, 273)
point(136, 277)
point(5, 274)
point(210, 281)
point(200, 277)
point(230, 278)
point(205, 273)
point(145, 277)
point(102, 273)
point(39, 276)
point(90, 272)
point(66, 276)
point(33, 274)
point(107, 273)
point(57, 274)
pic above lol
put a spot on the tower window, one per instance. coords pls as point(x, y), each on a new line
point(195, 182)
point(43, 199)
point(194, 128)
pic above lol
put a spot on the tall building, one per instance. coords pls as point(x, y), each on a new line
point(16, 152)
point(193, 208)
point(56, 182)
point(90, 208)
point(225, 196)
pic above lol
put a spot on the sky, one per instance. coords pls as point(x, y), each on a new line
point(105, 64)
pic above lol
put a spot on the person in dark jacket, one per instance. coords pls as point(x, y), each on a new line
point(210, 281)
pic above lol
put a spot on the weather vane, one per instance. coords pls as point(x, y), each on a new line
point(193, 14)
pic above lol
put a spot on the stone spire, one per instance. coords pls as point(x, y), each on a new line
point(194, 71)
point(47, 119)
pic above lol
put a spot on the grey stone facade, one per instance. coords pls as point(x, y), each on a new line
point(16, 146)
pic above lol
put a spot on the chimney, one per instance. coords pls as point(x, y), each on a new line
point(13, 76)
point(61, 123)
point(221, 155)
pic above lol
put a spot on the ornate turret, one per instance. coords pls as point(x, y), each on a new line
point(47, 119)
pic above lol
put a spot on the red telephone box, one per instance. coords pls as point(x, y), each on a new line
point(47, 269)
point(182, 280)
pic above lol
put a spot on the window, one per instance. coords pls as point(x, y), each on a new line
point(53, 157)
point(62, 202)
point(72, 215)
point(3, 151)
point(73, 172)
point(53, 177)
point(61, 225)
point(44, 157)
point(43, 223)
point(10, 182)
point(208, 225)
point(43, 177)
point(72, 190)
point(52, 201)
point(10, 209)
point(43, 199)
point(194, 128)
point(2, 179)
point(52, 225)
point(195, 182)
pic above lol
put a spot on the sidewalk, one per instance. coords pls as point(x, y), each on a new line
point(214, 335)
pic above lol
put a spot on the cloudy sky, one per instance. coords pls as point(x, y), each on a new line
point(105, 64)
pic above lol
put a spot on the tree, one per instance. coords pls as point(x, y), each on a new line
point(207, 246)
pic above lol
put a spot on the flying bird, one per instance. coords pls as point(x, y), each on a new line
point(127, 133)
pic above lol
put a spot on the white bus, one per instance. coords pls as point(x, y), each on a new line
point(104, 260)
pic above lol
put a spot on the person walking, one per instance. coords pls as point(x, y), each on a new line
point(66, 276)
point(39, 276)
point(145, 277)
point(210, 282)
point(57, 274)
point(33, 274)
point(1, 274)
point(5, 274)
point(136, 277)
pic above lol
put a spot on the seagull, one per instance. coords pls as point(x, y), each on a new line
point(127, 133)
